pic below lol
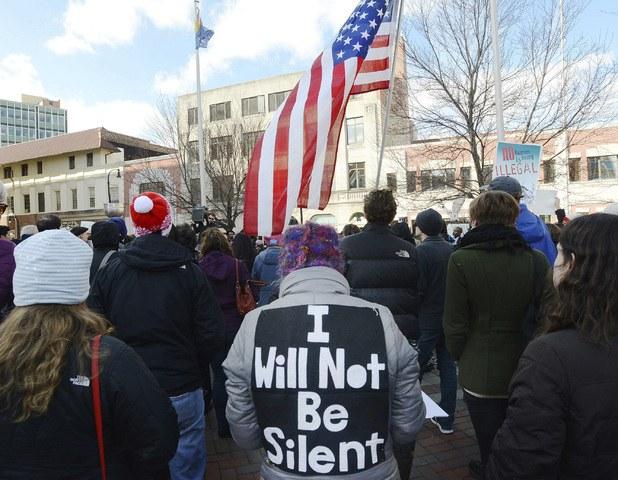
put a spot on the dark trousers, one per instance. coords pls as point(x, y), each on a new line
point(219, 394)
point(431, 338)
point(487, 415)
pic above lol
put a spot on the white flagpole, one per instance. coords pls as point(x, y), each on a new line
point(200, 130)
point(497, 69)
point(389, 100)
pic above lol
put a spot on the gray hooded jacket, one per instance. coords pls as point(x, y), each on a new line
point(325, 382)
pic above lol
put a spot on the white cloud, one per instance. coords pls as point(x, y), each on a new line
point(19, 75)
point(122, 116)
point(250, 29)
point(90, 23)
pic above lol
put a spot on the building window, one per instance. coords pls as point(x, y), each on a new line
point(24, 170)
point(574, 170)
point(114, 193)
point(391, 181)
point(603, 168)
point(465, 176)
point(354, 129)
point(41, 198)
point(276, 99)
point(39, 167)
point(192, 116)
point(356, 175)
point(249, 139)
point(220, 111)
point(27, 203)
point(58, 201)
point(411, 181)
point(8, 172)
point(222, 188)
point(71, 162)
point(74, 198)
point(91, 197)
point(192, 151)
point(156, 187)
point(221, 147)
point(425, 179)
point(437, 179)
point(549, 171)
point(487, 172)
point(89, 159)
point(252, 105)
point(12, 203)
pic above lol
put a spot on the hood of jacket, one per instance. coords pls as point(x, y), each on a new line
point(270, 256)
point(529, 225)
point(314, 280)
point(155, 252)
point(218, 265)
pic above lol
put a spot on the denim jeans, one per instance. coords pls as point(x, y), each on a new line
point(487, 416)
point(189, 462)
point(429, 339)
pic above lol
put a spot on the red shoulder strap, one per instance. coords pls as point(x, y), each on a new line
point(96, 402)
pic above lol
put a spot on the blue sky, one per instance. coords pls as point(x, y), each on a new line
point(110, 60)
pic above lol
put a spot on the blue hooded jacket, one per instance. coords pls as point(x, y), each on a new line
point(266, 269)
point(535, 233)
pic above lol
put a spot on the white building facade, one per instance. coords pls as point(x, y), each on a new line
point(253, 104)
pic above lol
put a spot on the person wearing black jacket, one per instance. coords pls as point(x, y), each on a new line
point(433, 256)
point(562, 416)
point(105, 240)
point(46, 389)
point(161, 304)
point(381, 267)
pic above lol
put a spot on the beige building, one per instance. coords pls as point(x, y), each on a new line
point(429, 174)
point(252, 104)
point(72, 175)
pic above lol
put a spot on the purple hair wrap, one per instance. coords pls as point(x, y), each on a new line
point(310, 245)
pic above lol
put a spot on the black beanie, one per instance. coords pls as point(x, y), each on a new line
point(430, 222)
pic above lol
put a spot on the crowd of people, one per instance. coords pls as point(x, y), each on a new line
point(312, 347)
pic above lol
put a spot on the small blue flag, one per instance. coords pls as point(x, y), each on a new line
point(202, 34)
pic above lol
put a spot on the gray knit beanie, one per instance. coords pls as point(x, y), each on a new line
point(51, 267)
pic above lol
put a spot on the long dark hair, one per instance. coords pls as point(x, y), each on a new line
point(244, 250)
point(586, 295)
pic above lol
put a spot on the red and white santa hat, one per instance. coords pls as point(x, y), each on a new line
point(151, 213)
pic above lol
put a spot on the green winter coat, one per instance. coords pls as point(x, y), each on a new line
point(488, 293)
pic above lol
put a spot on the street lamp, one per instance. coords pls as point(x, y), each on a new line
point(109, 191)
point(112, 209)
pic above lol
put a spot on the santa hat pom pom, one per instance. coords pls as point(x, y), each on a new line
point(143, 204)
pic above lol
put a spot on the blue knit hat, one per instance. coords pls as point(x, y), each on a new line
point(52, 267)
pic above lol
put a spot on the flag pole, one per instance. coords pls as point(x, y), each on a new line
point(389, 100)
point(497, 70)
point(200, 130)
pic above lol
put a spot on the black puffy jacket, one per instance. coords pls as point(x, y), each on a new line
point(562, 419)
point(139, 424)
point(382, 268)
point(162, 305)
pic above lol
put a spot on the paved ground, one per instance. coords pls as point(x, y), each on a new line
point(436, 456)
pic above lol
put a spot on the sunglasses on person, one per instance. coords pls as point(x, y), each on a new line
point(3, 207)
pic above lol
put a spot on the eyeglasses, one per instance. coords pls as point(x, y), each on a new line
point(3, 207)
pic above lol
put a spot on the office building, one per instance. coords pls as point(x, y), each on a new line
point(31, 119)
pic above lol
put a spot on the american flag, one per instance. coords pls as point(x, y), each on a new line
point(293, 163)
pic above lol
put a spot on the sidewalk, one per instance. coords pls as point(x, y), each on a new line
point(436, 456)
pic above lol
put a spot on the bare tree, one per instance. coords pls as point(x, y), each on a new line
point(228, 146)
point(449, 65)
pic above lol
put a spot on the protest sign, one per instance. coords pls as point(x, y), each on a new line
point(321, 388)
point(520, 161)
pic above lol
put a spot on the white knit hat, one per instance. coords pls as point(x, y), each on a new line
point(51, 267)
